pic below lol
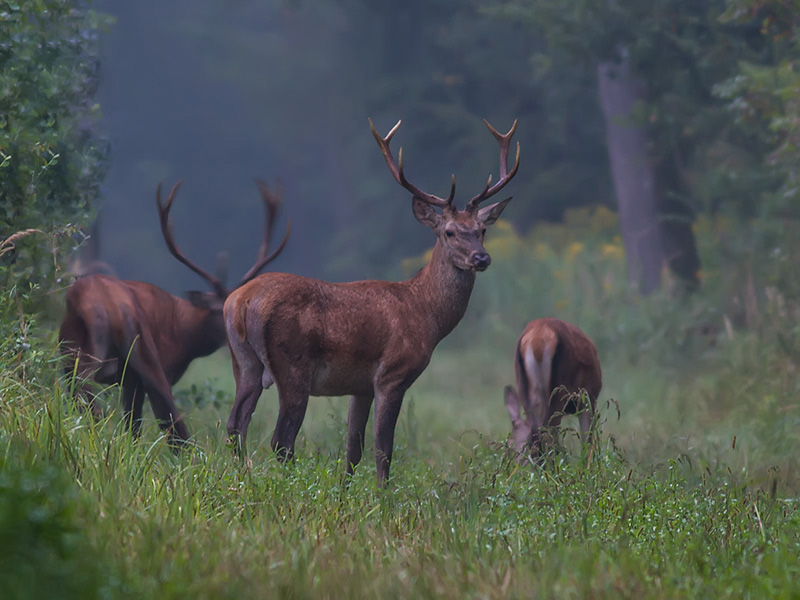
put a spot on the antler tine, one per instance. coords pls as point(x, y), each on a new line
point(505, 176)
point(166, 231)
point(272, 203)
point(397, 169)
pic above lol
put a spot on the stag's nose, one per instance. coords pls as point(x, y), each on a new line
point(481, 260)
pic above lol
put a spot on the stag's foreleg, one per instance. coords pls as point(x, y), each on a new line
point(357, 418)
point(132, 405)
point(144, 361)
point(387, 410)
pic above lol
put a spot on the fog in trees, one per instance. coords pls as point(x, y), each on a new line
point(217, 93)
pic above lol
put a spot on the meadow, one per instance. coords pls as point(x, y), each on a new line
point(691, 492)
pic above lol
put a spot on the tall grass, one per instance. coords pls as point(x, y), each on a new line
point(691, 492)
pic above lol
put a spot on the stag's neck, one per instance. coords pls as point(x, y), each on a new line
point(198, 332)
point(445, 291)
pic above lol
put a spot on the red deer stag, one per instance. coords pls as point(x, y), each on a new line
point(139, 336)
point(555, 363)
point(367, 339)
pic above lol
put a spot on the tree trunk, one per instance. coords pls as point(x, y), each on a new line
point(680, 248)
point(633, 174)
point(656, 223)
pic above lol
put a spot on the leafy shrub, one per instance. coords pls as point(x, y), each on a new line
point(52, 159)
point(44, 550)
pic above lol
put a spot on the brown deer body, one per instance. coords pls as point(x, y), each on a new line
point(366, 339)
point(555, 364)
point(143, 338)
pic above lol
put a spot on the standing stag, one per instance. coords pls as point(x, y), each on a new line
point(367, 339)
point(556, 367)
point(139, 336)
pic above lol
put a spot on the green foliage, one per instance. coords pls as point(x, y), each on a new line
point(203, 394)
point(763, 94)
point(576, 270)
point(679, 50)
point(45, 520)
point(44, 546)
point(52, 159)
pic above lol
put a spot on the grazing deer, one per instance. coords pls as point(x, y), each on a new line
point(367, 339)
point(555, 364)
point(139, 336)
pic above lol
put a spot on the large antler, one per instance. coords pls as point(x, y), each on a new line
point(272, 202)
point(166, 231)
point(505, 177)
point(397, 170)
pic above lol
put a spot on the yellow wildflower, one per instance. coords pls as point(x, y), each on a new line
point(604, 218)
point(573, 250)
point(612, 251)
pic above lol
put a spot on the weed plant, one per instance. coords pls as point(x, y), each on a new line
point(691, 491)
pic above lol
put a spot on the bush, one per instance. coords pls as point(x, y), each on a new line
point(52, 159)
point(44, 550)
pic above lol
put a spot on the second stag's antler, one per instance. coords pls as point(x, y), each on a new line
point(504, 140)
point(272, 202)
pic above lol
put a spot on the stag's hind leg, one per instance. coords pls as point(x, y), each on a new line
point(249, 375)
point(293, 401)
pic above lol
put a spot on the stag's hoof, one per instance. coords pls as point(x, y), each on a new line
point(236, 444)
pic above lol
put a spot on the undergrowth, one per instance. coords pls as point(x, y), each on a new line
point(691, 491)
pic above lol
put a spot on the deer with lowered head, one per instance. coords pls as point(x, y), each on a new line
point(558, 373)
point(137, 335)
point(367, 339)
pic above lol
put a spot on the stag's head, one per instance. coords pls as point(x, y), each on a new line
point(214, 300)
point(460, 233)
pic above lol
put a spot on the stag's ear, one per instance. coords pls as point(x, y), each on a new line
point(425, 213)
point(489, 214)
point(512, 404)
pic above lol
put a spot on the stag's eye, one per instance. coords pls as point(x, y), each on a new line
point(449, 233)
point(483, 231)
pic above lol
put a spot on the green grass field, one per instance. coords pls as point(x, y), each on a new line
point(692, 491)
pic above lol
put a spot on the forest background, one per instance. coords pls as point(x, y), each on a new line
point(656, 206)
